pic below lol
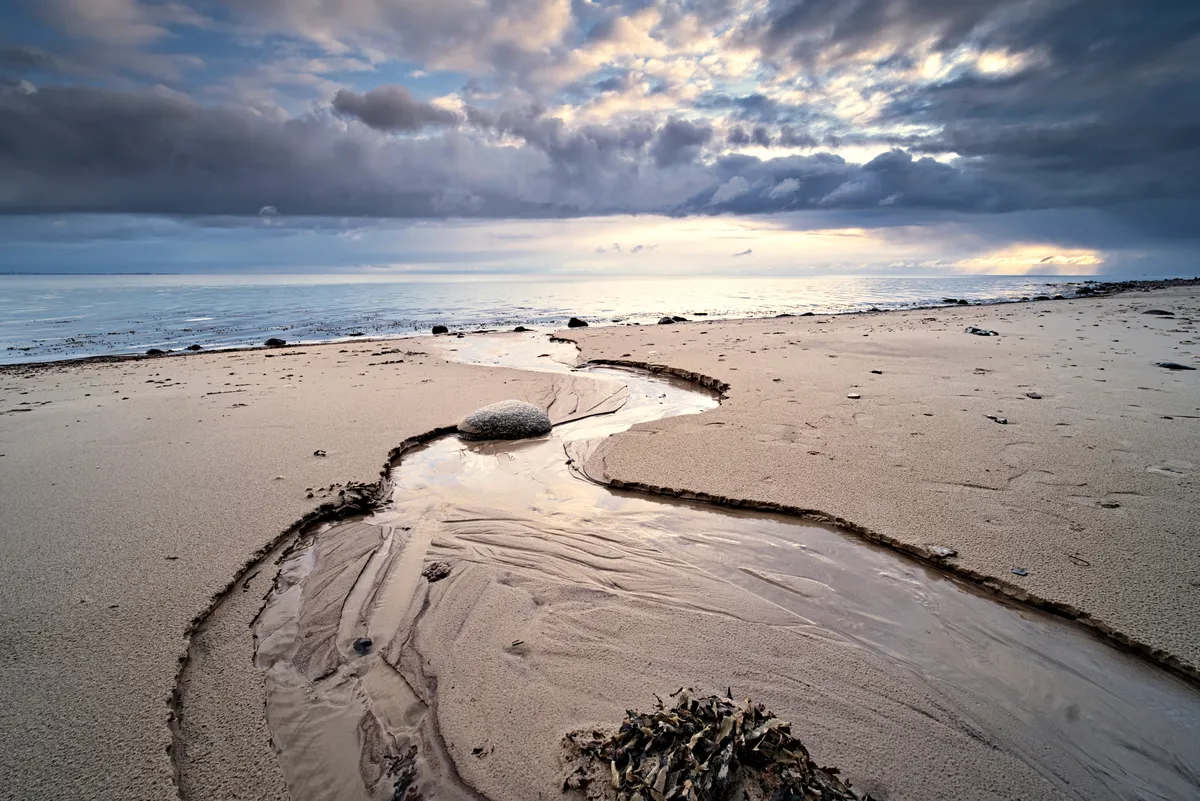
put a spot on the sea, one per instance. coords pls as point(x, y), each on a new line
point(54, 317)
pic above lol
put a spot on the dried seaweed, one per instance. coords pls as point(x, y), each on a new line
point(704, 749)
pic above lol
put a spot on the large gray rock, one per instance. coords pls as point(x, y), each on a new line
point(510, 419)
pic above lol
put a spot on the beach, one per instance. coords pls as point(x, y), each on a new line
point(136, 492)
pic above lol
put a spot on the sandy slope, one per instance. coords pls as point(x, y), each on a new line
point(134, 491)
point(1092, 489)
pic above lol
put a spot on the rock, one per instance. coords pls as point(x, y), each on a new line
point(156, 352)
point(510, 419)
point(1041, 297)
point(853, 395)
point(575, 322)
point(1059, 297)
point(705, 314)
point(362, 646)
point(436, 571)
point(1001, 420)
point(318, 453)
point(1084, 290)
point(877, 372)
point(678, 319)
point(1020, 571)
point(1160, 312)
point(275, 342)
point(520, 329)
point(1173, 366)
point(808, 314)
point(666, 321)
point(949, 300)
point(440, 329)
point(1033, 395)
point(358, 334)
point(980, 332)
point(194, 347)
point(963, 302)
point(785, 314)
point(942, 552)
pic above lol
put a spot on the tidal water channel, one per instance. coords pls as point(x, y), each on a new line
point(500, 577)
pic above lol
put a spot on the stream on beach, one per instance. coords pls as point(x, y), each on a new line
point(507, 598)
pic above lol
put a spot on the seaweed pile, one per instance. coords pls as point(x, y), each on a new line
point(702, 749)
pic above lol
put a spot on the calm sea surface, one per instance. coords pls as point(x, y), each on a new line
point(59, 317)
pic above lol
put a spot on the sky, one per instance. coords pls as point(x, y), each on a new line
point(680, 137)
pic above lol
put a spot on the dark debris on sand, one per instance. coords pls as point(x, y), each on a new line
point(701, 749)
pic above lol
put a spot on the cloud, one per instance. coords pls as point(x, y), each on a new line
point(391, 108)
point(117, 22)
point(735, 187)
point(552, 108)
point(679, 142)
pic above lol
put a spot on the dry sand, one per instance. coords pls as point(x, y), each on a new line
point(1091, 489)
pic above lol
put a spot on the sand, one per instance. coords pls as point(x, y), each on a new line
point(1090, 489)
point(133, 492)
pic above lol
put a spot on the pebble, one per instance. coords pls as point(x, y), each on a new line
point(1033, 395)
point(1001, 420)
point(1020, 571)
point(1173, 366)
point(362, 645)
point(853, 395)
point(943, 552)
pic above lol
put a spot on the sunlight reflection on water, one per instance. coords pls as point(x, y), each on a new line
point(53, 317)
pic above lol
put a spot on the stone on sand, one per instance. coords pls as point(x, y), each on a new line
point(509, 419)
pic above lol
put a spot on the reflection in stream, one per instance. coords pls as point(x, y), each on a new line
point(894, 649)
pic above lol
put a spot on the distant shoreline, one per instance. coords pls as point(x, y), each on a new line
point(1087, 289)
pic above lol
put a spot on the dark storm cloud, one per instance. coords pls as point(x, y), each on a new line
point(23, 60)
point(791, 137)
point(563, 144)
point(1099, 105)
point(85, 149)
point(823, 181)
point(679, 142)
point(759, 135)
point(391, 108)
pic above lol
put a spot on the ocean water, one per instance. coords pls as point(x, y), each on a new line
point(46, 318)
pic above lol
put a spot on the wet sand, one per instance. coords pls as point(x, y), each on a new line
point(133, 493)
point(1091, 489)
point(1099, 511)
point(506, 603)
